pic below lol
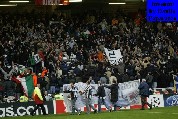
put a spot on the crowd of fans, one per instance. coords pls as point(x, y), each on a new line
point(72, 49)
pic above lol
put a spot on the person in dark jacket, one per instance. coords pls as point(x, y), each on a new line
point(1, 90)
point(149, 80)
point(53, 82)
point(18, 90)
point(102, 97)
point(114, 93)
point(144, 92)
point(9, 87)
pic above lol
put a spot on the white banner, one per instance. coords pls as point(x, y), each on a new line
point(37, 58)
point(128, 94)
point(156, 100)
point(51, 2)
point(114, 56)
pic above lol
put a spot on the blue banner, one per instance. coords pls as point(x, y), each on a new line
point(162, 10)
point(170, 100)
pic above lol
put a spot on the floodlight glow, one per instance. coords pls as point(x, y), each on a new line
point(7, 5)
point(19, 1)
point(75, 0)
point(115, 3)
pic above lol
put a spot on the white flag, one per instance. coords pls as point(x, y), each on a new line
point(114, 56)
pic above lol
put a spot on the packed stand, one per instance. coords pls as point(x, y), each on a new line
point(58, 50)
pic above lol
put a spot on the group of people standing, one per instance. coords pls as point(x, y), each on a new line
point(87, 92)
point(74, 93)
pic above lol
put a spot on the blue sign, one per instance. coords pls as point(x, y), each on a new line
point(170, 100)
point(162, 10)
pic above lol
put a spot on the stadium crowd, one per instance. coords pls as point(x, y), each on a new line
point(72, 49)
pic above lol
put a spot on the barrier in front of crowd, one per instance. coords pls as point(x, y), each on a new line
point(59, 107)
point(22, 109)
point(128, 90)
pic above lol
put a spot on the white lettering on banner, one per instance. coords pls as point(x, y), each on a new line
point(25, 110)
point(9, 111)
point(46, 108)
point(114, 56)
point(2, 112)
point(6, 112)
point(28, 108)
point(21, 111)
point(128, 94)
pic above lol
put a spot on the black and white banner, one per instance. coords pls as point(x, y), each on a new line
point(114, 56)
point(156, 100)
point(52, 2)
point(37, 58)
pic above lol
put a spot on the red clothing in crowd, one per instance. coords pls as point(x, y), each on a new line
point(37, 100)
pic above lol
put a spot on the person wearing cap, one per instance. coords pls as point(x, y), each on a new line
point(144, 93)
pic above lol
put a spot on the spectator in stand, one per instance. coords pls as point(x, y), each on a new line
point(41, 81)
point(18, 90)
point(7, 76)
point(149, 80)
point(145, 47)
point(9, 87)
point(52, 83)
point(35, 79)
point(103, 79)
point(44, 72)
point(59, 72)
point(176, 82)
point(108, 73)
point(1, 89)
point(112, 78)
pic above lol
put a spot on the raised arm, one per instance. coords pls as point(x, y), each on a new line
point(12, 70)
point(5, 73)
